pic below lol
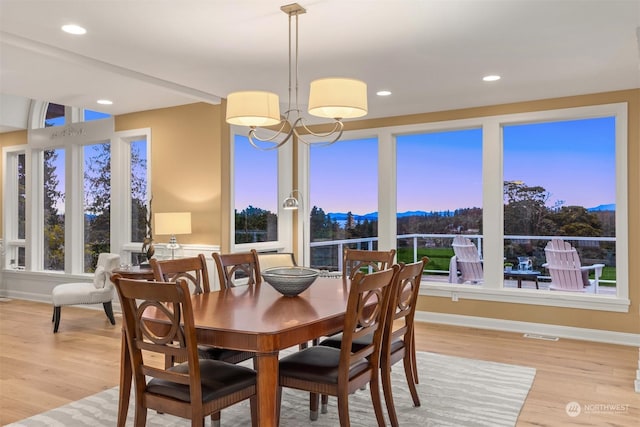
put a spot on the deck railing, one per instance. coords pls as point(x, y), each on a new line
point(328, 254)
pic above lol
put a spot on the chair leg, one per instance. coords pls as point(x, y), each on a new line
point(324, 402)
point(56, 318)
point(215, 419)
point(414, 363)
point(388, 395)
point(408, 362)
point(343, 410)
point(108, 309)
point(313, 406)
point(375, 397)
point(253, 403)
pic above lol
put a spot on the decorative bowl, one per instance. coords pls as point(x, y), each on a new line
point(290, 281)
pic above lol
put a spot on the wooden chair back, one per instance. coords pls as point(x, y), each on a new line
point(367, 308)
point(399, 337)
point(193, 270)
point(240, 268)
point(468, 260)
point(274, 259)
point(178, 340)
point(355, 260)
point(564, 266)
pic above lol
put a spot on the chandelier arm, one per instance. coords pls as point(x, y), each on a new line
point(338, 127)
point(253, 137)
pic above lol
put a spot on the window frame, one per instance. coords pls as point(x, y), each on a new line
point(284, 187)
point(72, 138)
point(492, 205)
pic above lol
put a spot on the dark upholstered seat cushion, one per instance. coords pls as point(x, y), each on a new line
point(358, 344)
point(215, 353)
point(318, 364)
point(218, 379)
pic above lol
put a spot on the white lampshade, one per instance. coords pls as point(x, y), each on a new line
point(338, 98)
point(253, 108)
point(172, 223)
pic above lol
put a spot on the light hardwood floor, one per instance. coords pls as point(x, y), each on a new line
point(41, 371)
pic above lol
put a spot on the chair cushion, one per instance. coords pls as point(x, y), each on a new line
point(99, 277)
point(335, 341)
point(318, 364)
point(358, 344)
point(218, 379)
point(224, 354)
point(80, 293)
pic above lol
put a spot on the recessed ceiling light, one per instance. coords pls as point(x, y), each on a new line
point(104, 102)
point(383, 93)
point(491, 78)
point(73, 29)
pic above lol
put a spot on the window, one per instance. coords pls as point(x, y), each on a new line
point(572, 196)
point(256, 193)
point(97, 203)
point(15, 213)
point(343, 186)
point(53, 226)
point(62, 217)
point(481, 178)
point(439, 194)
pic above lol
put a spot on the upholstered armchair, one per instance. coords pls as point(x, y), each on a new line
point(98, 291)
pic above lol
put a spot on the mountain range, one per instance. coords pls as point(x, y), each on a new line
point(373, 216)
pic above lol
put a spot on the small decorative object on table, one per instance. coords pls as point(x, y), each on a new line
point(290, 281)
point(147, 243)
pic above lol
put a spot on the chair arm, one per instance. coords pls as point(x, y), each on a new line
point(597, 268)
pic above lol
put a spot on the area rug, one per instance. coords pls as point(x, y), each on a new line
point(453, 391)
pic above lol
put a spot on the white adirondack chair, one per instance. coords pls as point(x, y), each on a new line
point(467, 261)
point(567, 274)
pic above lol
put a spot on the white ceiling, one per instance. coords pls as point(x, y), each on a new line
point(432, 54)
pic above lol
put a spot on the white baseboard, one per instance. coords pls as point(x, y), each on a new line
point(595, 335)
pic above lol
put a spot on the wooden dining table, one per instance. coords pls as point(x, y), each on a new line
point(261, 320)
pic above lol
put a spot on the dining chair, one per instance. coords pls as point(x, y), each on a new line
point(274, 259)
point(238, 269)
point(99, 290)
point(194, 271)
point(193, 389)
point(398, 341)
point(340, 372)
point(355, 260)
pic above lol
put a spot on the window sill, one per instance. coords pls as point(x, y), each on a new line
point(527, 296)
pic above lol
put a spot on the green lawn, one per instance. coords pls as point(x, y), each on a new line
point(439, 260)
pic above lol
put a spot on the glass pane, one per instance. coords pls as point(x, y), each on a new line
point(559, 180)
point(439, 195)
point(343, 181)
point(54, 115)
point(22, 196)
point(97, 203)
point(139, 189)
point(90, 115)
point(54, 209)
point(256, 193)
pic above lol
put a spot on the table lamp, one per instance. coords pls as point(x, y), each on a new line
point(172, 223)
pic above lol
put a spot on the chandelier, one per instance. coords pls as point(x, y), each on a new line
point(333, 98)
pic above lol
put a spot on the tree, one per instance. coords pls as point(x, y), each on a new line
point(576, 221)
point(525, 211)
point(97, 204)
point(53, 220)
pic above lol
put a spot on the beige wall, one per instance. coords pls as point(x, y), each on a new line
point(186, 171)
point(8, 139)
point(620, 322)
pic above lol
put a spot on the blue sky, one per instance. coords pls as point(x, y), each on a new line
point(573, 160)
